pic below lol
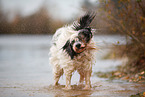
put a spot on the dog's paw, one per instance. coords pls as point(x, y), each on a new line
point(87, 88)
point(56, 84)
point(67, 88)
point(81, 85)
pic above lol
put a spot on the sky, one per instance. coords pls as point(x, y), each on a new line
point(62, 9)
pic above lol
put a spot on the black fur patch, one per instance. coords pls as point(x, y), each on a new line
point(86, 33)
point(84, 22)
point(69, 49)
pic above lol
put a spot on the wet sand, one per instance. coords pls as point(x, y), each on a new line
point(43, 89)
point(25, 71)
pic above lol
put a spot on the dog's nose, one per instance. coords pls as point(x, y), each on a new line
point(78, 45)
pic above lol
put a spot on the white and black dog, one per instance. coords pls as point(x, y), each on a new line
point(73, 49)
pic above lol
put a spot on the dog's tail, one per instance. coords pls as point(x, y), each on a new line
point(84, 21)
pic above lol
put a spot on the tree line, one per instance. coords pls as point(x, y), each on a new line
point(37, 23)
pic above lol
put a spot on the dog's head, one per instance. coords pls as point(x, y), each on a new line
point(78, 42)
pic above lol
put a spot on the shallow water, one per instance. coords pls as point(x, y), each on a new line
point(25, 70)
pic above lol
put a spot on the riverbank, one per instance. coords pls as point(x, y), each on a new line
point(130, 70)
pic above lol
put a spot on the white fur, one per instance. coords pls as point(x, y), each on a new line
point(62, 62)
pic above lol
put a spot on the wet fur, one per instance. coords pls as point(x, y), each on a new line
point(63, 57)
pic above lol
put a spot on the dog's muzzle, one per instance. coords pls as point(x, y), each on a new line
point(79, 47)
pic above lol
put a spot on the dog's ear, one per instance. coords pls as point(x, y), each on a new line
point(84, 21)
point(69, 49)
point(89, 30)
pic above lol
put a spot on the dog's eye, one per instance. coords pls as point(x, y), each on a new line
point(76, 39)
point(81, 37)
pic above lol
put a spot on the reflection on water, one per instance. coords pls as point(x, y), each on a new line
point(24, 57)
point(24, 64)
point(76, 91)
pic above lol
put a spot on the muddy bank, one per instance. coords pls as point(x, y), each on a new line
point(131, 70)
point(99, 89)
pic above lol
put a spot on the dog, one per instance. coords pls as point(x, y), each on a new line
point(73, 49)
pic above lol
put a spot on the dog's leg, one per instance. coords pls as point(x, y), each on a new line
point(56, 79)
point(57, 75)
point(68, 75)
point(87, 80)
point(81, 81)
point(68, 82)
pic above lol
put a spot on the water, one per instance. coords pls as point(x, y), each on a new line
point(25, 69)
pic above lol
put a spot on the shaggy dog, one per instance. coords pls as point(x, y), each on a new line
point(73, 49)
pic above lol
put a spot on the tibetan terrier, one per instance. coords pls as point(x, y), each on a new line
point(73, 49)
